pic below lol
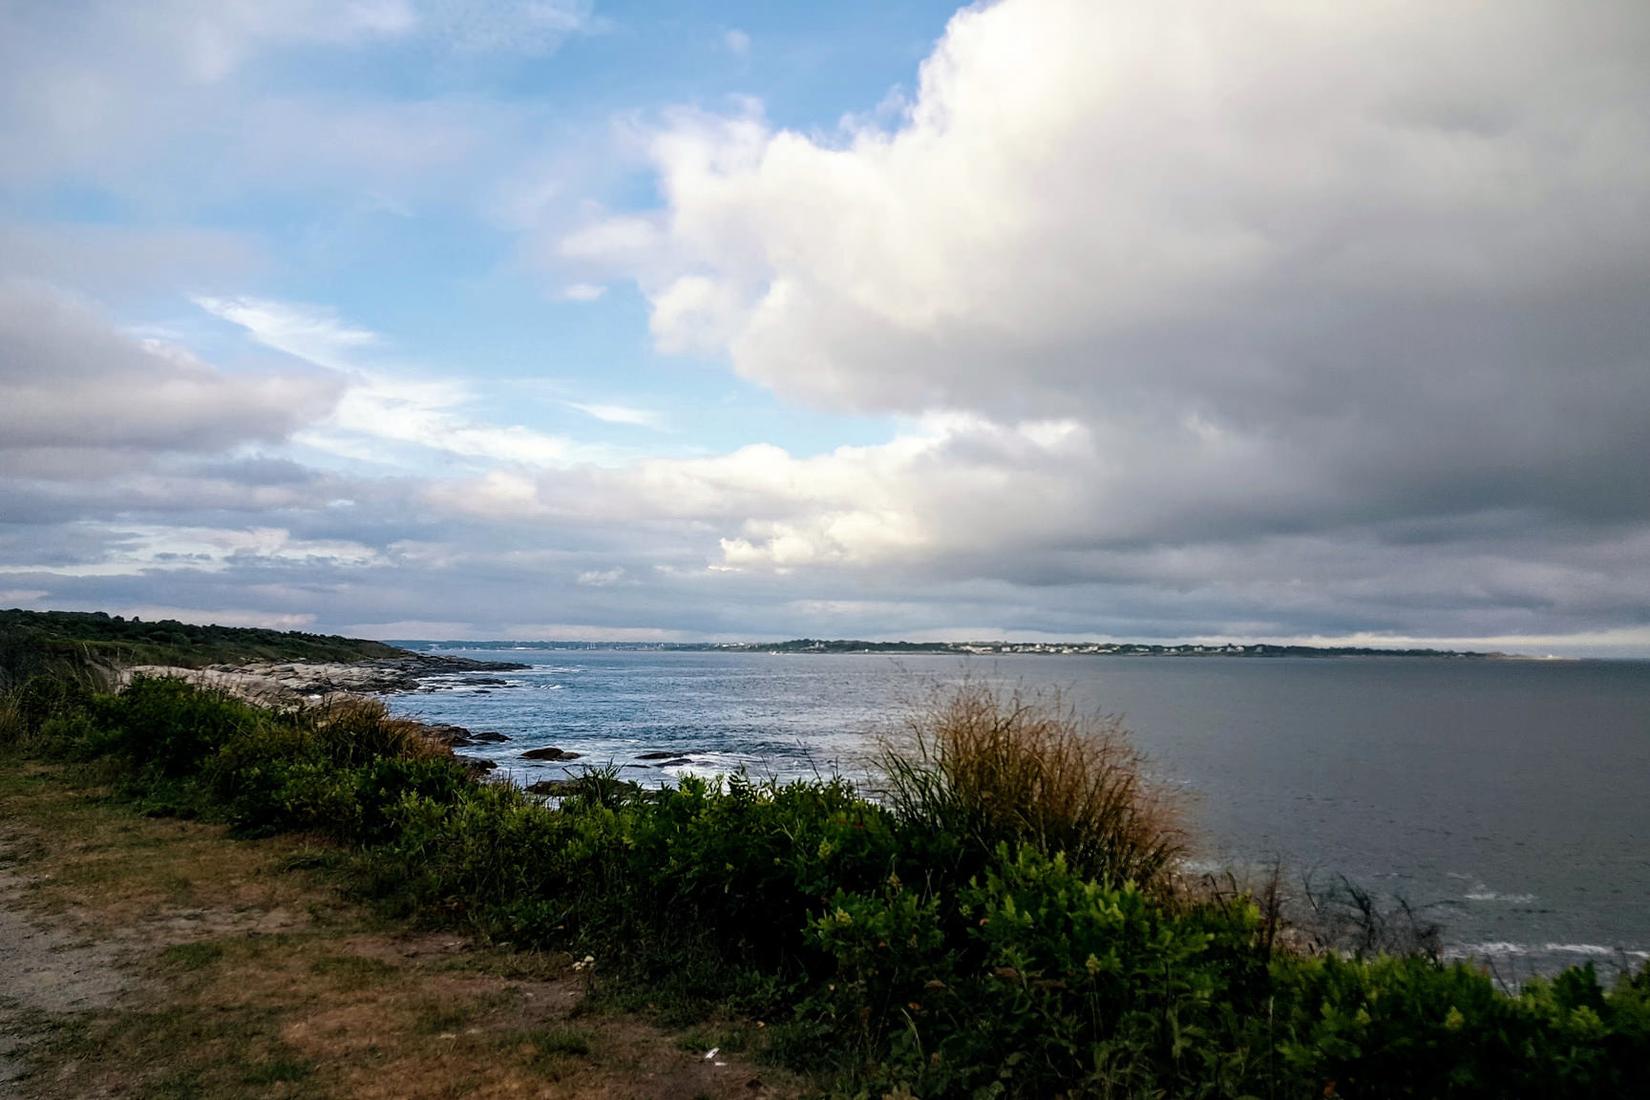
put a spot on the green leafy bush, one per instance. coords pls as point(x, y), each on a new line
point(174, 727)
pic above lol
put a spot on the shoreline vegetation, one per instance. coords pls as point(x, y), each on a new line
point(1009, 918)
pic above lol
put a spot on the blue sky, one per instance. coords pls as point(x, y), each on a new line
point(1038, 318)
point(437, 273)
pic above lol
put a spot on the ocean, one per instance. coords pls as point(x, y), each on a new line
point(1509, 801)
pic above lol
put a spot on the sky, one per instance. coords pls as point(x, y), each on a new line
point(1082, 319)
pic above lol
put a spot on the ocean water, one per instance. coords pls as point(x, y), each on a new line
point(1507, 800)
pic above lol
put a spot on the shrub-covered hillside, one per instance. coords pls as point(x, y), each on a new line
point(59, 641)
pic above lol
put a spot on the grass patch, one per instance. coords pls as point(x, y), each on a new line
point(561, 1042)
point(729, 1039)
point(192, 956)
point(279, 1070)
point(550, 1053)
point(439, 1018)
point(353, 971)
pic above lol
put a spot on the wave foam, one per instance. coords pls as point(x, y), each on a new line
point(1502, 948)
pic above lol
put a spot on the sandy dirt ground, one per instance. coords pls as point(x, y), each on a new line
point(161, 958)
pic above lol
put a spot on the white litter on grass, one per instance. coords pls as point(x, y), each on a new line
point(712, 1053)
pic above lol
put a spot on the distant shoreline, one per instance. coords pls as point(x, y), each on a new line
point(970, 649)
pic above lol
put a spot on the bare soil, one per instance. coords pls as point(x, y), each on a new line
point(162, 958)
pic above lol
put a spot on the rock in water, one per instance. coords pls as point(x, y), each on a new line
point(549, 753)
point(453, 737)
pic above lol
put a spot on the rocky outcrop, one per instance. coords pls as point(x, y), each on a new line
point(288, 683)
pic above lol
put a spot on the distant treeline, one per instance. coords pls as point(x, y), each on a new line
point(58, 641)
point(848, 645)
point(821, 645)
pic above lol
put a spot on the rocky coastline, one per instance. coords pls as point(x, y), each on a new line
point(289, 685)
point(286, 685)
point(295, 683)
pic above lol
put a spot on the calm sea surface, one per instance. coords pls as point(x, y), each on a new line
point(1511, 799)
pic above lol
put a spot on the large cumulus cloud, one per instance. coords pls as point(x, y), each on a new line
point(1400, 246)
point(1290, 314)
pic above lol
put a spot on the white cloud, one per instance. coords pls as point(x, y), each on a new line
point(171, 106)
point(583, 292)
point(428, 414)
point(307, 332)
point(1126, 204)
point(601, 578)
point(215, 40)
point(378, 405)
point(737, 42)
point(1273, 268)
point(138, 549)
point(620, 414)
point(529, 27)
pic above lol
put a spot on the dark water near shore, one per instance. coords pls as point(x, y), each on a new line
point(1511, 799)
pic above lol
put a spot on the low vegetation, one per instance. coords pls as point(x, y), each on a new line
point(1005, 920)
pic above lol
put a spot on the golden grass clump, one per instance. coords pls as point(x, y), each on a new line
point(993, 768)
point(359, 730)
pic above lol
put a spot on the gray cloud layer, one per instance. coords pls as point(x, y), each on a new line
point(74, 383)
point(1210, 319)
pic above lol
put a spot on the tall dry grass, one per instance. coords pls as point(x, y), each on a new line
point(990, 767)
point(357, 730)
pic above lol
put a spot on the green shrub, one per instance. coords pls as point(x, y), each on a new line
point(1400, 1026)
point(382, 784)
point(1030, 981)
point(172, 726)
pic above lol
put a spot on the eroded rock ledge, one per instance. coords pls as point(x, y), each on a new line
point(293, 683)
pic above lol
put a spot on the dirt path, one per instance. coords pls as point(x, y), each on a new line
point(145, 958)
point(44, 971)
